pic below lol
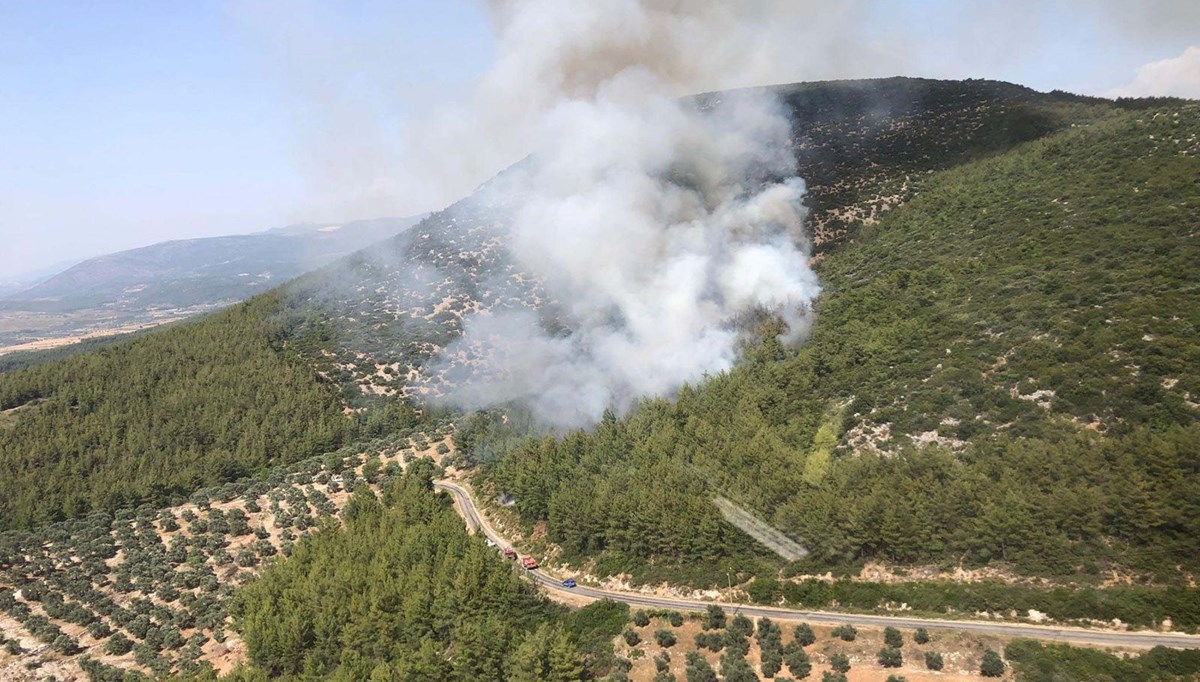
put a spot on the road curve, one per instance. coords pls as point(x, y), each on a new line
point(1071, 635)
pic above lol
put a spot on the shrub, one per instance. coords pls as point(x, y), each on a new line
point(710, 640)
point(662, 662)
point(736, 642)
point(734, 668)
point(171, 638)
point(772, 662)
point(742, 625)
point(921, 636)
point(831, 676)
point(118, 645)
point(606, 617)
point(714, 617)
point(933, 660)
point(804, 634)
point(1037, 662)
point(845, 632)
point(991, 665)
point(145, 655)
point(840, 663)
point(641, 618)
point(676, 619)
point(797, 660)
point(64, 644)
point(890, 657)
point(631, 638)
point(167, 593)
point(665, 638)
point(698, 669)
point(139, 626)
point(892, 638)
point(371, 470)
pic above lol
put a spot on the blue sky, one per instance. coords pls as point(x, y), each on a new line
point(126, 123)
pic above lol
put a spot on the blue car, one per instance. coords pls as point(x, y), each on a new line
point(569, 582)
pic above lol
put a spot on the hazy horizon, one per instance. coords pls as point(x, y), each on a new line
point(129, 125)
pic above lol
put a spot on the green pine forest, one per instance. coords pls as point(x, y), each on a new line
point(402, 592)
point(1002, 373)
point(1066, 267)
point(157, 417)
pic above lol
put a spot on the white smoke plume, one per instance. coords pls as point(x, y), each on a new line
point(376, 135)
point(655, 223)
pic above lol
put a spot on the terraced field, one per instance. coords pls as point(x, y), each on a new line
point(149, 590)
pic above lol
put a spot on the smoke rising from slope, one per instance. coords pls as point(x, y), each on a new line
point(379, 137)
point(655, 223)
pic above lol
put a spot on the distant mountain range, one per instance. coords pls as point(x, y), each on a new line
point(196, 272)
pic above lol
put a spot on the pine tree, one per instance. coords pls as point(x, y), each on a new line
point(565, 662)
point(479, 651)
point(426, 665)
point(530, 662)
point(384, 672)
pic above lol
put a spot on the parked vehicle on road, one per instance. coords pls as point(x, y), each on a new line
point(529, 562)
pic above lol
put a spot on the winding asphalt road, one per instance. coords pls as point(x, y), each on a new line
point(466, 508)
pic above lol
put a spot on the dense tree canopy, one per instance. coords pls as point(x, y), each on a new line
point(1028, 317)
point(155, 417)
point(403, 592)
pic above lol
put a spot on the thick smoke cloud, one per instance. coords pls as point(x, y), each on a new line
point(655, 224)
point(378, 139)
point(589, 88)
